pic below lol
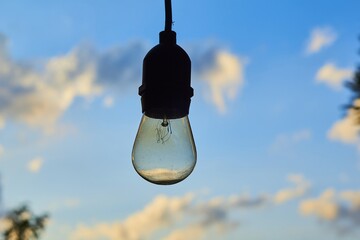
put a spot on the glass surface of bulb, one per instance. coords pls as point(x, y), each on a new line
point(164, 151)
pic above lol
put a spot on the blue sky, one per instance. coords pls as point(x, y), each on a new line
point(278, 158)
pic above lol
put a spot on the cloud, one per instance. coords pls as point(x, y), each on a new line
point(347, 129)
point(161, 212)
point(68, 203)
point(38, 95)
point(222, 71)
point(324, 207)
point(35, 165)
point(320, 38)
point(4, 224)
point(2, 122)
point(166, 213)
point(191, 232)
point(340, 209)
point(108, 231)
point(353, 197)
point(108, 102)
point(187, 217)
point(2, 150)
point(214, 216)
point(302, 186)
point(333, 76)
point(288, 140)
point(39, 98)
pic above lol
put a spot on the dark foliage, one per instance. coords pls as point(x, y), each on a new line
point(354, 86)
point(23, 224)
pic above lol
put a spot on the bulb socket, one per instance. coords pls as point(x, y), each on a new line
point(166, 84)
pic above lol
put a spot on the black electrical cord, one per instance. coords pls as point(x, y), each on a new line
point(168, 16)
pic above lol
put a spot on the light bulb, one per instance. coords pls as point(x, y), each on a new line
point(164, 151)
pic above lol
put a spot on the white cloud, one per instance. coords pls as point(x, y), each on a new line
point(35, 165)
point(324, 207)
point(68, 203)
point(5, 224)
point(161, 212)
point(2, 150)
point(164, 213)
point(222, 71)
point(302, 186)
point(344, 178)
point(186, 217)
point(108, 231)
point(340, 209)
point(193, 232)
point(214, 215)
point(39, 98)
point(353, 197)
point(72, 202)
point(300, 136)
point(2, 122)
point(320, 38)
point(108, 102)
point(333, 76)
point(39, 95)
point(347, 129)
point(288, 140)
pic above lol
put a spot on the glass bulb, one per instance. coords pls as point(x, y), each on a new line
point(164, 150)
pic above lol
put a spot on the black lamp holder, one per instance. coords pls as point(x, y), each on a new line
point(165, 91)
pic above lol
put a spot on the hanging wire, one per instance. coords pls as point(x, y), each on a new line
point(168, 16)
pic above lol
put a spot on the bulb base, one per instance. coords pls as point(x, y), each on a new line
point(165, 91)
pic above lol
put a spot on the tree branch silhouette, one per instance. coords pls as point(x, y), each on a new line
point(354, 86)
point(23, 224)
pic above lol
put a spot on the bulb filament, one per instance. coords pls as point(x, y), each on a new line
point(163, 131)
